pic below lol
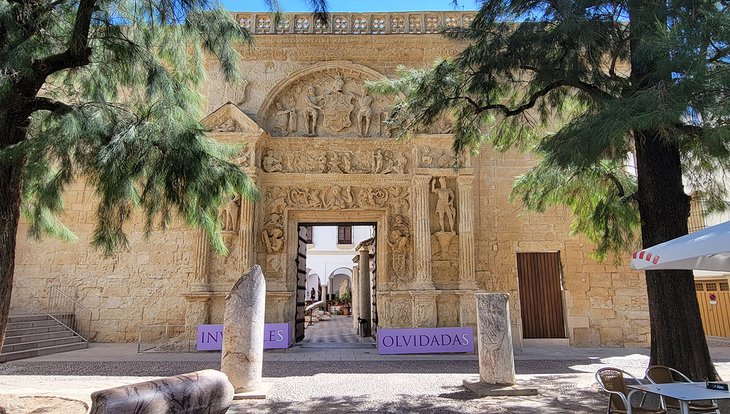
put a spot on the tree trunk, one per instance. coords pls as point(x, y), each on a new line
point(10, 185)
point(677, 337)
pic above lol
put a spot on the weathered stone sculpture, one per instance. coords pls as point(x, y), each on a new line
point(496, 356)
point(205, 391)
point(243, 331)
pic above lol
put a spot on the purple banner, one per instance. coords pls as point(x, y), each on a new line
point(210, 337)
point(425, 340)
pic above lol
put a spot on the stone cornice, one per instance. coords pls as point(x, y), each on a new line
point(373, 23)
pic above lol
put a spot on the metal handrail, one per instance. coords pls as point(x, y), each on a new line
point(69, 313)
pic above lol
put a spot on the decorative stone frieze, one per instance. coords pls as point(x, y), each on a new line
point(377, 161)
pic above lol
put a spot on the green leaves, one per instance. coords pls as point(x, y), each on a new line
point(568, 81)
point(127, 122)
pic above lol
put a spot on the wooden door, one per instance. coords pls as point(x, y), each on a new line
point(541, 296)
point(713, 298)
point(301, 293)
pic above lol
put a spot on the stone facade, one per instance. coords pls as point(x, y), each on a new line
point(317, 145)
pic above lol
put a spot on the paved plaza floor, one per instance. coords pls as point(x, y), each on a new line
point(313, 377)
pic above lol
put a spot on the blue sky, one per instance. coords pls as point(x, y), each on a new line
point(355, 5)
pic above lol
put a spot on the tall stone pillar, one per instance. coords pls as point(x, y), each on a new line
point(467, 265)
point(422, 232)
point(365, 288)
point(243, 332)
point(494, 342)
point(355, 291)
point(246, 234)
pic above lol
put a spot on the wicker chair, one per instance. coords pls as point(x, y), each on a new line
point(660, 374)
point(612, 381)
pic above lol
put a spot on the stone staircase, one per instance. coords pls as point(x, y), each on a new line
point(38, 334)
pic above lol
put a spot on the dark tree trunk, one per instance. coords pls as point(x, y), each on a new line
point(677, 337)
point(10, 187)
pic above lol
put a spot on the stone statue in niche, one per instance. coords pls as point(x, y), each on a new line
point(365, 114)
point(271, 163)
point(288, 119)
point(445, 203)
point(273, 239)
point(337, 106)
point(229, 214)
point(311, 113)
point(444, 207)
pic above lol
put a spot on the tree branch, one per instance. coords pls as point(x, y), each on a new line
point(507, 111)
point(41, 103)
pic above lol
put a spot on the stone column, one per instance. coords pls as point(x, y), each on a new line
point(202, 250)
point(422, 232)
point(243, 332)
point(246, 234)
point(365, 288)
point(494, 339)
point(467, 266)
point(494, 343)
point(355, 290)
point(324, 298)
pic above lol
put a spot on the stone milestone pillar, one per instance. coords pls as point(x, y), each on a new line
point(243, 334)
point(422, 232)
point(494, 343)
point(365, 290)
point(467, 266)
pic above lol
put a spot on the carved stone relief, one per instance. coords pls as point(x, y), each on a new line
point(229, 125)
point(327, 102)
point(448, 310)
point(377, 161)
point(243, 158)
point(398, 311)
point(430, 157)
point(399, 242)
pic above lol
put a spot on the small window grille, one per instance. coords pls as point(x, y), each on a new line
point(699, 287)
point(712, 286)
point(724, 286)
point(344, 234)
point(697, 213)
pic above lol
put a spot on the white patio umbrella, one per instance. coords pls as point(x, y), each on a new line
point(707, 249)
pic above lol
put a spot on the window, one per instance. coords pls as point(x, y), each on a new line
point(308, 236)
point(699, 287)
point(344, 234)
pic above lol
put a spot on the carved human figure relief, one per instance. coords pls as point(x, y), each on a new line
point(229, 214)
point(271, 163)
point(398, 239)
point(444, 204)
point(364, 114)
point(288, 116)
point(273, 239)
point(311, 112)
point(228, 125)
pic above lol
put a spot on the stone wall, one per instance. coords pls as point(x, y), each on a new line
point(166, 279)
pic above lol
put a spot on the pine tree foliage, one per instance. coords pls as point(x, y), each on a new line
point(107, 92)
point(555, 77)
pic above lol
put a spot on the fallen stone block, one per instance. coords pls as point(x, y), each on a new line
point(207, 391)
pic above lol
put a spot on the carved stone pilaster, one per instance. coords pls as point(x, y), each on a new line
point(200, 277)
point(246, 234)
point(422, 232)
point(467, 265)
point(197, 311)
point(425, 314)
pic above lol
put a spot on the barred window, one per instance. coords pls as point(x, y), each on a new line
point(712, 286)
point(697, 213)
point(699, 287)
point(724, 286)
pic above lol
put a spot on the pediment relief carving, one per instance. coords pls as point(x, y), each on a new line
point(230, 119)
point(327, 100)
